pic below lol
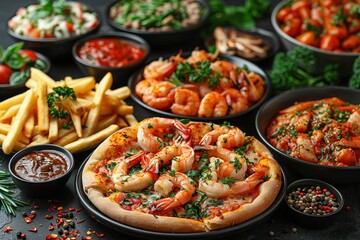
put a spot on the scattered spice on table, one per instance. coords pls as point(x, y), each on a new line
point(313, 200)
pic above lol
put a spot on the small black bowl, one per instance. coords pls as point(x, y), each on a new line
point(268, 37)
point(120, 74)
point(47, 187)
point(332, 174)
point(164, 38)
point(54, 48)
point(312, 220)
point(7, 90)
point(138, 76)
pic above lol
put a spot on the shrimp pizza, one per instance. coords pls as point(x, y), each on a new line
point(170, 175)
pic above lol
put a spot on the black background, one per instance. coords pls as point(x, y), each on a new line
point(347, 225)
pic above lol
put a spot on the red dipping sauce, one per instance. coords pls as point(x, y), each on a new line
point(110, 52)
point(41, 166)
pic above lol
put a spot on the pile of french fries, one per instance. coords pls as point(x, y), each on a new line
point(97, 112)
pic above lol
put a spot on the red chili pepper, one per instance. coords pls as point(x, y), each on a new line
point(8, 229)
point(34, 229)
point(81, 221)
point(48, 216)
point(28, 220)
point(78, 210)
point(100, 235)
point(71, 209)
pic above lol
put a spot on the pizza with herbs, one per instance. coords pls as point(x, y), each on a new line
point(170, 175)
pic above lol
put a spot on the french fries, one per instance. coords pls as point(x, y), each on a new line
point(79, 122)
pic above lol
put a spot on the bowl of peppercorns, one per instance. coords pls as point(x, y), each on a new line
point(313, 203)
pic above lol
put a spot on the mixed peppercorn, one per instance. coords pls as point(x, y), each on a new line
point(313, 200)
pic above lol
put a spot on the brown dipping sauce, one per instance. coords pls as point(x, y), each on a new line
point(41, 166)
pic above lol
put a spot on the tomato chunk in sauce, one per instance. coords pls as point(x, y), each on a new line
point(110, 52)
point(41, 166)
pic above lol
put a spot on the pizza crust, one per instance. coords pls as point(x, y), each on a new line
point(267, 194)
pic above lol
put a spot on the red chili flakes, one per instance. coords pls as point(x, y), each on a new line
point(23, 236)
point(28, 220)
point(71, 209)
point(36, 207)
point(48, 216)
point(78, 210)
point(52, 236)
point(32, 216)
point(86, 238)
point(81, 221)
point(60, 208)
point(8, 229)
point(51, 227)
point(34, 230)
point(99, 235)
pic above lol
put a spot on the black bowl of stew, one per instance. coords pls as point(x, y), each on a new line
point(332, 174)
point(118, 53)
point(41, 170)
point(152, 29)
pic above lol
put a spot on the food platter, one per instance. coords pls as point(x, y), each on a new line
point(137, 77)
point(109, 222)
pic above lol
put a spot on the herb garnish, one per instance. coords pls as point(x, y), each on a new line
point(56, 101)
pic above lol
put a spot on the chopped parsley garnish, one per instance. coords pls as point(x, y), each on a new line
point(215, 202)
point(217, 163)
point(150, 125)
point(184, 120)
point(227, 180)
point(131, 152)
point(226, 124)
point(56, 101)
point(111, 165)
point(236, 163)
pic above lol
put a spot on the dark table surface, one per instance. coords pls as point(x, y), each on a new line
point(280, 224)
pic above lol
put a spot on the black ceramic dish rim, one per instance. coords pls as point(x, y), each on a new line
point(133, 80)
point(134, 39)
point(43, 58)
point(311, 182)
point(263, 138)
point(294, 41)
point(40, 148)
point(62, 39)
point(119, 27)
point(94, 212)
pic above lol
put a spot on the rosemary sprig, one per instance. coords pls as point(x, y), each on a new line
point(6, 198)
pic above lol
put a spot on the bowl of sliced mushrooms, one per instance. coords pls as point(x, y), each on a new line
point(253, 45)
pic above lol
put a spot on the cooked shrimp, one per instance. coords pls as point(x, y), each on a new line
point(155, 133)
point(180, 156)
point(166, 184)
point(135, 182)
point(213, 105)
point(227, 71)
point(233, 165)
point(236, 101)
point(224, 137)
point(141, 87)
point(159, 95)
point(252, 84)
point(186, 102)
point(346, 156)
point(202, 55)
point(355, 118)
point(216, 189)
point(305, 149)
point(161, 69)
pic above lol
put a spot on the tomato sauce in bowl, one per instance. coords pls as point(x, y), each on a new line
point(41, 166)
point(110, 52)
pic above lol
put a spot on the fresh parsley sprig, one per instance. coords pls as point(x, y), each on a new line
point(56, 101)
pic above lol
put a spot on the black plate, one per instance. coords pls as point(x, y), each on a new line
point(164, 38)
point(267, 36)
point(142, 233)
point(333, 174)
point(138, 76)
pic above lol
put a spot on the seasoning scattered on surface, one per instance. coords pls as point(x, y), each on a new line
point(313, 200)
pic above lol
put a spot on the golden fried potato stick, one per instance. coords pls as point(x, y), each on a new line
point(29, 127)
point(53, 129)
point(75, 106)
point(4, 129)
point(82, 85)
point(68, 138)
point(6, 104)
point(18, 145)
point(120, 93)
point(92, 140)
point(10, 113)
point(105, 122)
point(25, 109)
point(41, 76)
point(76, 119)
point(94, 113)
point(121, 122)
point(130, 119)
point(40, 139)
point(42, 108)
point(124, 110)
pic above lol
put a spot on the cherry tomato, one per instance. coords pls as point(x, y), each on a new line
point(309, 38)
point(328, 3)
point(296, 6)
point(356, 50)
point(280, 17)
point(354, 26)
point(291, 16)
point(304, 12)
point(35, 33)
point(29, 53)
point(351, 42)
point(329, 42)
point(337, 31)
point(5, 73)
point(292, 27)
point(317, 14)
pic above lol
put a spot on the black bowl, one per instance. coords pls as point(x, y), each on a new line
point(137, 77)
point(268, 37)
point(120, 74)
point(333, 174)
point(41, 188)
point(311, 220)
point(147, 234)
point(345, 60)
point(54, 48)
point(7, 90)
point(165, 38)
